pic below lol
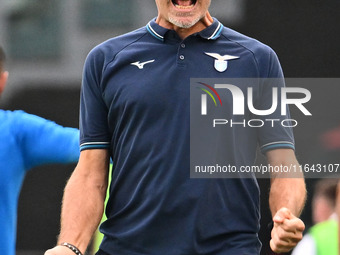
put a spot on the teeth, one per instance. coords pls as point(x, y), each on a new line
point(184, 7)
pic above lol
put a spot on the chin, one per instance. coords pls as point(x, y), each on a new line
point(184, 22)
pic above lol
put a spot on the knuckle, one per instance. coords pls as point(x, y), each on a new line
point(299, 237)
point(282, 234)
point(273, 245)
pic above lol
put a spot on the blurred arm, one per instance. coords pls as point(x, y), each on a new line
point(43, 141)
point(337, 208)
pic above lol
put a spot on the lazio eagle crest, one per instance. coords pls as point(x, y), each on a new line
point(221, 62)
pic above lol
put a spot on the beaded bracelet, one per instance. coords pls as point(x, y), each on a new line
point(72, 247)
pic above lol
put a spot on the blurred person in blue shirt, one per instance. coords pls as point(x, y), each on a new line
point(26, 141)
point(322, 238)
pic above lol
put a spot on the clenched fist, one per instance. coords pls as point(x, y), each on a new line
point(287, 231)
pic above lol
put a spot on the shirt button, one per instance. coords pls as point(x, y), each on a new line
point(183, 45)
point(181, 57)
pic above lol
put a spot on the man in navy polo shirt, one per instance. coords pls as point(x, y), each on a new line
point(134, 108)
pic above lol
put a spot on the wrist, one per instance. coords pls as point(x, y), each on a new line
point(73, 248)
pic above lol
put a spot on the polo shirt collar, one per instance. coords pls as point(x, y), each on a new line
point(156, 30)
point(210, 33)
point(213, 31)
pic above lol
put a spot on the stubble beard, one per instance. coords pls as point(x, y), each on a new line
point(184, 24)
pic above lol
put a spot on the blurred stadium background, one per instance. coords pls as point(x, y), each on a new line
point(47, 42)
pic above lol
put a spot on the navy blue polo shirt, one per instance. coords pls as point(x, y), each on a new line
point(134, 102)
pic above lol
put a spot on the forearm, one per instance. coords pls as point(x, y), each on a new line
point(289, 193)
point(83, 205)
point(286, 200)
point(287, 189)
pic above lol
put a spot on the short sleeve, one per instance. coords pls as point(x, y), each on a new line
point(93, 123)
point(44, 142)
point(277, 132)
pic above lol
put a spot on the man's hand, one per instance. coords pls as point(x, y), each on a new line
point(59, 250)
point(287, 231)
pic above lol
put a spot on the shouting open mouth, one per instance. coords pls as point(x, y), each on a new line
point(184, 4)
